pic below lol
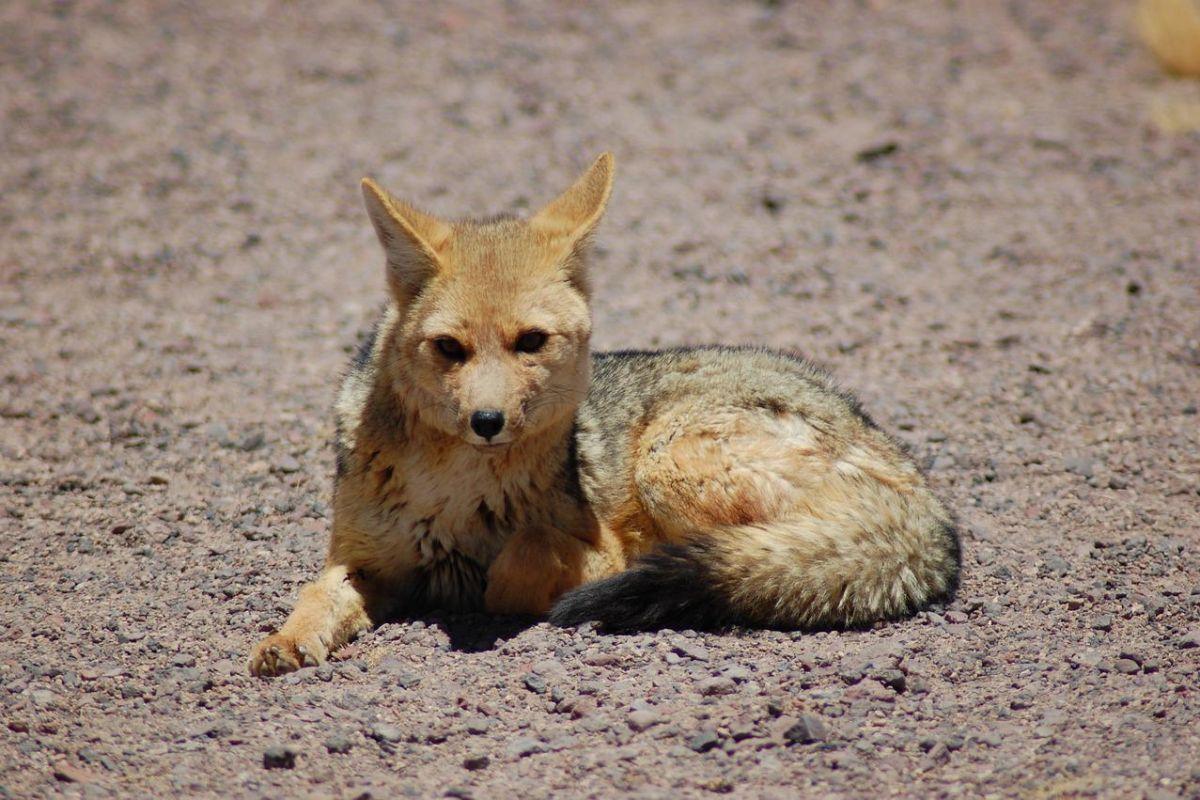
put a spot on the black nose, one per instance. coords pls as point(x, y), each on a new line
point(487, 423)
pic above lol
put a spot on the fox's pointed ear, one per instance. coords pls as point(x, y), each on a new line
point(575, 213)
point(411, 240)
point(571, 218)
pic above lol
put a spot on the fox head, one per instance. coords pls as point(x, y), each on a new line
point(491, 343)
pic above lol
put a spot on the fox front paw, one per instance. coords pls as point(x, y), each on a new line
point(280, 653)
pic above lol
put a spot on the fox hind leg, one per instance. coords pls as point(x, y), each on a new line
point(701, 469)
point(767, 521)
point(699, 472)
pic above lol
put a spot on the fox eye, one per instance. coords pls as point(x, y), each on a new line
point(451, 348)
point(531, 341)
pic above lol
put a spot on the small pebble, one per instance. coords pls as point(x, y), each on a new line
point(338, 743)
point(704, 741)
point(690, 649)
point(894, 679)
point(710, 687)
point(286, 465)
point(1126, 666)
point(1189, 640)
point(524, 746)
point(807, 730)
point(279, 756)
point(476, 762)
point(1080, 465)
point(642, 719)
point(535, 683)
point(383, 732)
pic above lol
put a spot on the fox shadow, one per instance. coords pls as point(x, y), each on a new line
point(472, 632)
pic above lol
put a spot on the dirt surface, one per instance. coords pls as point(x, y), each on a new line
point(961, 208)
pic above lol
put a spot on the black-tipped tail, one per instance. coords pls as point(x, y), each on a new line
point(670, 588)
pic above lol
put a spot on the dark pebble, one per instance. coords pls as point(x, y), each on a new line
point(252, 442)
point(809, 729)
point(1189, 640)
point(894, 679)
point(279, 757)
point(710, 687)
point(476, 762)
point(1133, 656)
point(876, 152)
point(690, 649)
point(851, 674)
point(704, 741)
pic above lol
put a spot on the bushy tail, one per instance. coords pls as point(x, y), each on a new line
point(793, 574)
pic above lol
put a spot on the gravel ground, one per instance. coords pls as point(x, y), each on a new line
point(962, 208)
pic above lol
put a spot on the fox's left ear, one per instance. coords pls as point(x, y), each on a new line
point(574, 214)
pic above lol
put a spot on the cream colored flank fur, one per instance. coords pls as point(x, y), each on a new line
point(797, 511)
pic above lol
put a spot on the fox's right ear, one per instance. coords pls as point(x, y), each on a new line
point(576, 212)
point(411, 240)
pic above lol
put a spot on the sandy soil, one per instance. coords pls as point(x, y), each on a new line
point(959, 207)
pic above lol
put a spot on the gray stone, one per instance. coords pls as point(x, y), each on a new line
point(689, 649)
point(383, 732)
point(710, 687)
point(478, 725)
point(339, 743)
point(535, 683)
point(524, 746)
point(704, 741)
point(252, 441)
point(286, 464)
point(896, 680)
point(1189, 640)
point(1084, 466)
point(642, 719)
point(1056, 565)
point(807, 730)
point(280, 756)
point(407, 680)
